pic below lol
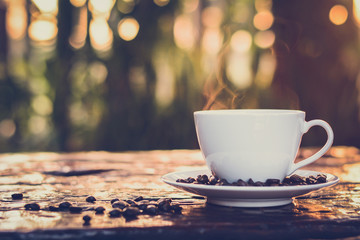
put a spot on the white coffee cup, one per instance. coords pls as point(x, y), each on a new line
point(259, 143)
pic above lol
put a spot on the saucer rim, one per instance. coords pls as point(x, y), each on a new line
point(169, 180)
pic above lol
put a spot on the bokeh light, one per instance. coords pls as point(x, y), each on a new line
point(78, 3)
point(7, 128)
point(101, 36)
point(128, 28)
point(184, 32)
point(338, 14)
point(47, 6)
point(43, 29)
point(212, 17)
point(16, 19)
point(101, 7)
point(263, 20)
point(161, 3)
point(264, 39)
point(241, 41)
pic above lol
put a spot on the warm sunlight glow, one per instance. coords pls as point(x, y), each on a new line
point(47, 6)
point(101, 36)
point(266, 69)
point(184, 32)
point(238, 69)
point(241, 41)
point(78, 3)
point(263, 20)
point(338, 14)
point(42, 30)
point(264, 39)
point(16, 19)
point(128, 28)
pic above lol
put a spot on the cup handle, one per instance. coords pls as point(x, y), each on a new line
point(322, 151)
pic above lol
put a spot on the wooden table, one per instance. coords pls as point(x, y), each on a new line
point(52, 178)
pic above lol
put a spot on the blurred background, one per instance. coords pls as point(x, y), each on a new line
point(128, 74)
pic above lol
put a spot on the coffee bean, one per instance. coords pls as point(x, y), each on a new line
point(99, 210)
point(321, 178)
point(86, 219)
point(272, 182)
point(120, 204)
point(241, 182)
point(64, 206)
point(131, 202)
point(311, 180)
point(213, 180)
point(32, 206)
point(176, 208)
point(115, 213)
point(131, 212)
point(259, 184)
point(90, 199)
point(143, 204)
point(139, 198)
point(53, 209)
point(222, 182)
point(202, 179)
point(151, 210)
point(297, 179)
point(251, 182)
point(114, 200)
point(190, 180)
point(75, 209)
point(17, 196)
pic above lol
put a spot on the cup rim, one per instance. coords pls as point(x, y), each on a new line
point(248, 111)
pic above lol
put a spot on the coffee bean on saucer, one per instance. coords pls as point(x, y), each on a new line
point(213, 180)
point(202, 179)
point(297, 179)
point(75, 209)
point(251, 182)
point(99, 210)
point(17, 196)
point(259, 184)
point(190, 180)
point(91, 199)
point(32, 206)
point(114, 200)
point(272, 182)
point(311, 180)
point(115, 213)
point(321, 178)
point(241, 182)
point(222, 182)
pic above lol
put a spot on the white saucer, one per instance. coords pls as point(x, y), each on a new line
point(248, 196)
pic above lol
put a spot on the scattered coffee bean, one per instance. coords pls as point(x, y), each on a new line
point(272, 182)
point(164, 205)
point(64, 206)
point(32, 206)
point(75, 209)
point(151, 210)
point(115, 213)
point(99, 210)
point(114, 200)
point(251, 182)
point(202, 179)
point(297, 179)
point(131, 212)
point(176, 208)
point(17, 196)
point(139, 198)
point(213, 180)
point(143, 204)
point(258, 183)
point(90, 199)
point(86, 219)
point(222, 182)
point(120, 204)
point(321, 178)
point(53, 209)
point(241, 182)
point(131, 202)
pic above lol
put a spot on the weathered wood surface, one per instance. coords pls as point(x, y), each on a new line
point(52, 178)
